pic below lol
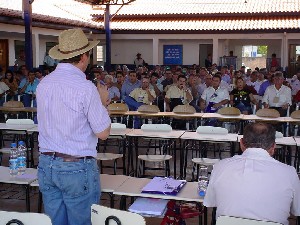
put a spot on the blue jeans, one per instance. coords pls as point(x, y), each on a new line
point(69, 189)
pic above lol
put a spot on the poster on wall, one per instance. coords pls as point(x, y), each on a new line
point(172, 54)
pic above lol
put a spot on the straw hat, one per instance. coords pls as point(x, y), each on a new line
point(71, 43)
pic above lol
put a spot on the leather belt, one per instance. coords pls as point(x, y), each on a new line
point(65, 157)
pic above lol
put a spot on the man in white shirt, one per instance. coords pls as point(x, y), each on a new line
point(254, 185)
point(214, 97)
point(278, 96)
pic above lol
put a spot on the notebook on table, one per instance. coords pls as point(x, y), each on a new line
point(164, 185)
point(149, 206)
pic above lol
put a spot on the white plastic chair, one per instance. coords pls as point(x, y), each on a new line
point(24, 217)
point(101, 213)
point(202, 161)
point(229, 220)
point(156, 158)
point(17, 133)
point(108, 156)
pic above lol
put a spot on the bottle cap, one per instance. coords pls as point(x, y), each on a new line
point(202, 193)
point(13, 145)
point(21, 142)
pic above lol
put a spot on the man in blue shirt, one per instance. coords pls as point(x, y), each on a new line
point(27, 88)
point(129, 84)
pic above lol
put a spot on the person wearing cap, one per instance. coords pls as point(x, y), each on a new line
point(139, 61)
point(72, 116)
point(254, 185)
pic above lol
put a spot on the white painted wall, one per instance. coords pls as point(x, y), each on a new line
point(125, 46)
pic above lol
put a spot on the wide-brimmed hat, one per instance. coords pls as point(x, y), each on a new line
point(71, 43)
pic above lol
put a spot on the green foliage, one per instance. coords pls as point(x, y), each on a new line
point(263, 50)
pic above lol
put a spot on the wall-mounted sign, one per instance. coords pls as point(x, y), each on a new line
point(173, 54)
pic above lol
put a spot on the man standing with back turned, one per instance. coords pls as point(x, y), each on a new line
point(254, 185)
point(71, 117)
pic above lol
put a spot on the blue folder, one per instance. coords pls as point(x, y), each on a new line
point(164, 185)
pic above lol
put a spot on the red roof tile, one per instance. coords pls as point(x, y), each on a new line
point(58, 11)
point(163, 7)
point(254, 23)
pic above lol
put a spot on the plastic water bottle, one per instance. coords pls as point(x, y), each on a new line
point(13, 160)
point(21, 158)
point(202, 181)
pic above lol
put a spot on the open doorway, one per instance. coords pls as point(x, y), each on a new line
point(204, 50)
point(254, 56)
point(294, 59)
point(4, 54)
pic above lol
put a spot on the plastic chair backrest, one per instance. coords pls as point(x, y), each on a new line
point(117, 107)
point(229, 220)
point(13, 104)
point(184, 109)
point(271, 113)
point(20, 122)
point(118, 126)
point(156, 127)
point(25, 218)
point(148, 109)
point(100, 214)
point(296, 114)
point(211, 130)
point(230, 111)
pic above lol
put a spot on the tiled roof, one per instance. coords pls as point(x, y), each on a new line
point(56, 11)
point(218, 24)
point(163, 7)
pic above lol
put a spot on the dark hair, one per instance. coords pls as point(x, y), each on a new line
point(259, 135)
point(182, 76)
point(131, 71)
point(217, 76)
point(75, 59)
point(119, 72)
point(12, 76)
point(154, 74)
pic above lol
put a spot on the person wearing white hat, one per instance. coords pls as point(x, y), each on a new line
point(72, 116)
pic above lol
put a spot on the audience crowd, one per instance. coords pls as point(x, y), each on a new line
point(206, 89)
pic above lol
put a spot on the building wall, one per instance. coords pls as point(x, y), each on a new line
point(125, 46)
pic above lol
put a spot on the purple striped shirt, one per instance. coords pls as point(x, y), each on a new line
point(70, 112)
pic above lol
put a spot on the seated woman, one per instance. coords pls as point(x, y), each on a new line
point(12, 83)
point(241, 97)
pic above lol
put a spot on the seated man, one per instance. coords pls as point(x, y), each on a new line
point(113, 91)
point(142, 95)
point(254, 185)
point(178, 95)
point(131, 82)
point(214, 97)
point(278, 96)
point(27, 88)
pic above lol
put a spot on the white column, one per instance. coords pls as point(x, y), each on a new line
point(36, 50)
point(284, 51)
point(12, 55)
point(155, 51)
point(215, 55)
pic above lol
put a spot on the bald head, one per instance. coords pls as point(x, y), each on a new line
point(259, 135)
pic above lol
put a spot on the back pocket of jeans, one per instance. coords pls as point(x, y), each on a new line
point(73, 183)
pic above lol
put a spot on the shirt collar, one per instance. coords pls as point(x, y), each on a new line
point(69, 66)
point(257, 153)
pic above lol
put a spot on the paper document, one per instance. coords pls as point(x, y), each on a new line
point(164, 185)
point(149, 206)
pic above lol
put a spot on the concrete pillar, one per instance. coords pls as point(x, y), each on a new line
point(284, 51)
point(36, 51)
point(155, 51)
point(215, 56)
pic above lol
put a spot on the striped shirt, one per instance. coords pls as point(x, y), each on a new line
point(70, 112)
